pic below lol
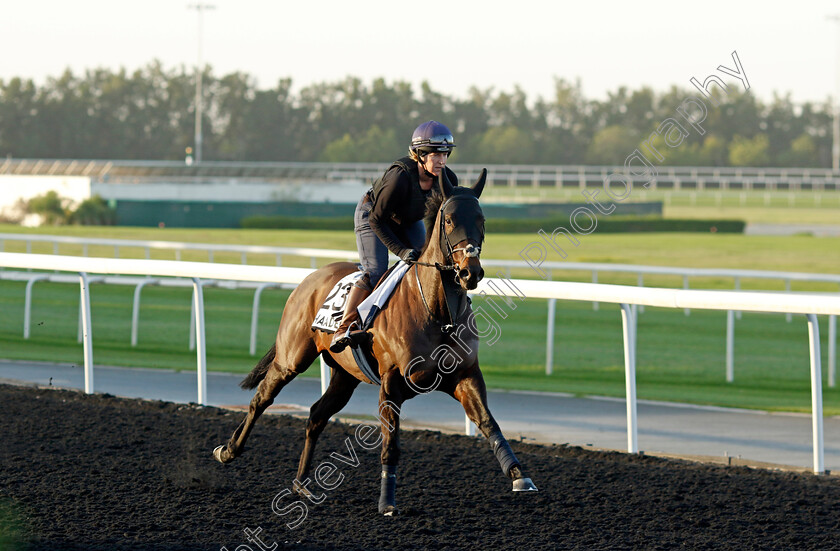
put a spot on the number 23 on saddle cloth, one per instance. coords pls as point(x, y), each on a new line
point(328, 317)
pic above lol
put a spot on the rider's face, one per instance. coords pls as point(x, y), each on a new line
point(435, 162)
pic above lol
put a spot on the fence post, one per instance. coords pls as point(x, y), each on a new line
point(87, 337)
point(80, 331)
point(549, 339)
point(730, 346)
point(816, 394)
point(135, 309)
point(27, 304)
point(832, 351)
point(469, 427)
point(628, 326)
point(192, 323)
point(255, 315)
point(325, 375)
point(201, 352)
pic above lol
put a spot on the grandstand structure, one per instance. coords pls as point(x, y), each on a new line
point(560, 176)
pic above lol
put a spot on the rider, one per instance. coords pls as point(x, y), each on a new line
point(389, 216)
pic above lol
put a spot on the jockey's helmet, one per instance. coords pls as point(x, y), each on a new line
point(430, 137)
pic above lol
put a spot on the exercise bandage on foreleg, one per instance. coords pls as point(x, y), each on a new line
point(388, 487)
point(504, 453)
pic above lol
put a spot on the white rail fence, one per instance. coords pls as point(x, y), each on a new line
point(537, 266)
point(810, 305)
point(139, 283)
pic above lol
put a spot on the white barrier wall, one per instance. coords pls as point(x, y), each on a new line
point(78, 188)
point(15, 188)
point(304, 191)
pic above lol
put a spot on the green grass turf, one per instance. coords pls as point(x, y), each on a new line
point(801, 253)
point(767, 207)
point(680, 358)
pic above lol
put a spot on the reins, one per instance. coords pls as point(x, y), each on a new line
point(444, 327)
point(470, 251)
point(437, 265)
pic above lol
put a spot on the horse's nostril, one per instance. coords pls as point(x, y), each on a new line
point(481, 274)
point(464, 275)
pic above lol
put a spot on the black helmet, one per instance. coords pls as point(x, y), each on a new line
point(432, 136)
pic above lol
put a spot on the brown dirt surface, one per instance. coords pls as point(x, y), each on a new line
point(99, 472)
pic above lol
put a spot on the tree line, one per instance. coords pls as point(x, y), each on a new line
point(149, 114)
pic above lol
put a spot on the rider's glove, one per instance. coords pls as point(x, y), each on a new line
point(409, 256)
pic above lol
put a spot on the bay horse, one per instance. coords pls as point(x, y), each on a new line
point(424, 339)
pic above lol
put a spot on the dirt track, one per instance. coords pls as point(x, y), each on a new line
point(97, 472)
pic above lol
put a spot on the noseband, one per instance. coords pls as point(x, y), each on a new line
point(469, 250)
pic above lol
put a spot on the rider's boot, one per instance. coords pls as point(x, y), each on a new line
point(350, 330)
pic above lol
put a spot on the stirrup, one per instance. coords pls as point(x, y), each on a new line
point(357, 336)
point(339, 343)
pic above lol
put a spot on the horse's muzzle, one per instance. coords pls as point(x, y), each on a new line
point(469, 277)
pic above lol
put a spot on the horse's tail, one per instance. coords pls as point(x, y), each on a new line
point(258, 373)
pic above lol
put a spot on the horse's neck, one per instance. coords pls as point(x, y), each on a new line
point(430, 278)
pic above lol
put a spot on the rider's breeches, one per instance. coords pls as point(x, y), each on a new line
point(373, 253)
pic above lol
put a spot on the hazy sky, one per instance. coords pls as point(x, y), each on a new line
point(452, 45)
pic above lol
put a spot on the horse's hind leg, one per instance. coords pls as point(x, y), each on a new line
point(286, 363)
point(338, 393)
point(472, 394)
point(269, 388)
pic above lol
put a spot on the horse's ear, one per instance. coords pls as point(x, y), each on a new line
point(479, 185)
point(445, 185)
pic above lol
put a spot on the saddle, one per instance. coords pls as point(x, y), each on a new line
point(329, 315)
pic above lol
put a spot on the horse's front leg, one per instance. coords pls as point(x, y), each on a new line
point(472, 393)
point(392, 394)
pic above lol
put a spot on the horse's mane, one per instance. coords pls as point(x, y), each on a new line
point(433, 203)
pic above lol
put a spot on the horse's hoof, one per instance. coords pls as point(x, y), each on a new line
point(390, 511)
point(304, 492)
point(524, 485)
point(217, 453)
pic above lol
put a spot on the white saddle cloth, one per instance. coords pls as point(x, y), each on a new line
point(330, 313)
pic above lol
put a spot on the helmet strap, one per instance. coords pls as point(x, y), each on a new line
point(422, 158)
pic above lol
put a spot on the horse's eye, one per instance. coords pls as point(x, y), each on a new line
point(449, 221)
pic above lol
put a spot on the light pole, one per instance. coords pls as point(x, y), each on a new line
point(199, 108)
point(835, 142)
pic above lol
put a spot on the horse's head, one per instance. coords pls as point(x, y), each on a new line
point(462, 229)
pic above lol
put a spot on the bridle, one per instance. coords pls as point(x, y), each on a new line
point(469, 250)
